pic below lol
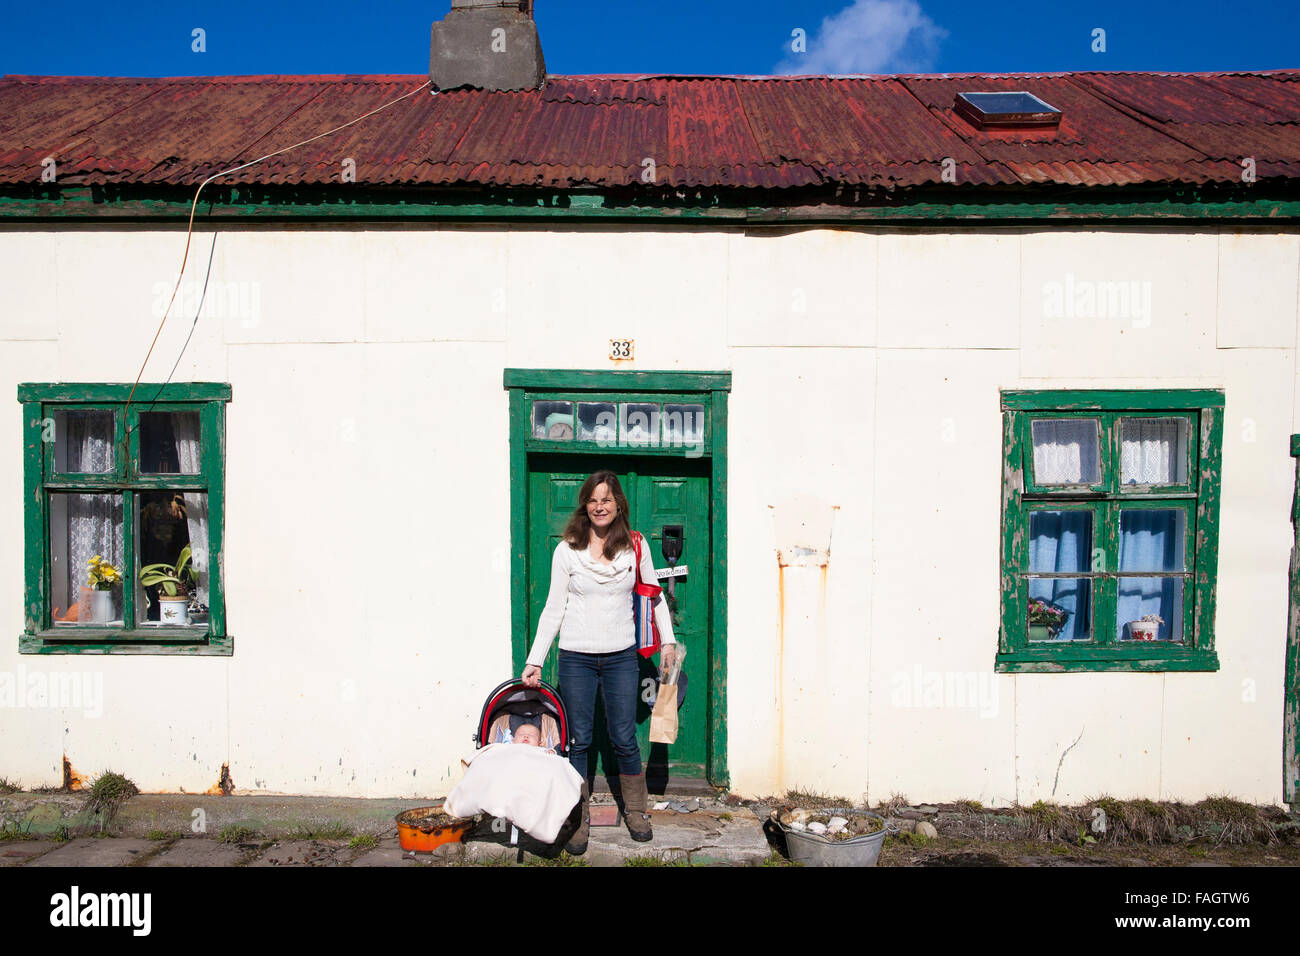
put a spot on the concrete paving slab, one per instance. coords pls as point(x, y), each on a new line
point(17, 854)
point(388, 853)
point(303, 853)
point(199, 852)
point(733, 837)
point(718, 838)
point(96, 851)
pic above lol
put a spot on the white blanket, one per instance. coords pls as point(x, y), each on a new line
point(534, 789)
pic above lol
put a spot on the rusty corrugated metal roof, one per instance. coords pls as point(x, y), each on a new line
point(604, 131)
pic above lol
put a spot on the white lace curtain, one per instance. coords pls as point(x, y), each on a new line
point(94, 521)
point(87, 442)
point(1065, 451)
point(186, 426)
point(1153, 451)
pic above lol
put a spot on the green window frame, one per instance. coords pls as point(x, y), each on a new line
point(126, 482)
point(1098, 490)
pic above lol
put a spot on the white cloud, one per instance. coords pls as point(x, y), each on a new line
point(870, 36)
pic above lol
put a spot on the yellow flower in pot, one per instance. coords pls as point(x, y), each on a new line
point(173, 581)
point(101, 578)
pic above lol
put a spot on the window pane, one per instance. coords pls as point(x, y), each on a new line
point(553, 420)
point(1060, 609)
point(1060, 542)
point(1152, 539)
point(597, 421)
point(640, 423)
point(1153, 451)
point(1159, 599)
point(85, 559)
point(1066, 451)
point(166, 523)
point(169, 443)
point(83, 442)
point(683, 424)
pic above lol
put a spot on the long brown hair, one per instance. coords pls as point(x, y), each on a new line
point(578, 531)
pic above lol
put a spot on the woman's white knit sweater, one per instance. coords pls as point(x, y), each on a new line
point(590, 603)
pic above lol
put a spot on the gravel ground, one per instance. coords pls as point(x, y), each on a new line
point(1003, 837)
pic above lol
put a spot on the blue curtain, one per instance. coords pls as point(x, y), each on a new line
point(1061, 541)
point(1151, 541)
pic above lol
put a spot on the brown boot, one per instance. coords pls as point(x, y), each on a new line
point(634, 807)
point(577, 844)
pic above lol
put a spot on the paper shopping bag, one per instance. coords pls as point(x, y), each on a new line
point(663, 719)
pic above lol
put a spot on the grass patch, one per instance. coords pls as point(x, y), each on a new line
point(106, 795)
point(236, 834)
point(907, 838)
point(163, 835)
point(11, 832)
point(1235, 821)
point(363, 841)
point(501, 859)
point(725, 817)
point(564, 859)
point(776, 859)
point(972, 806)
point(328, 831)
point(814, 800)
point(1046, 820)
point(8, 786)
point(61, 834)
point(654, 859)
point(896, 802)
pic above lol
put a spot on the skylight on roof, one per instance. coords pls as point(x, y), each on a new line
point(1008, 110)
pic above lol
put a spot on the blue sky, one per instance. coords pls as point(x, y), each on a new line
point(667, 36)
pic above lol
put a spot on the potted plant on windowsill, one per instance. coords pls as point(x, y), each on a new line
point(102, 578)
point(1045, 620)
point(1147, 629)
point(173, 581)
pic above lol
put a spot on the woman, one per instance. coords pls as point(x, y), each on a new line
point(590, 606)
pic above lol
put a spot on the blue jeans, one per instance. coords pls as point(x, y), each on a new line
point(616, 675)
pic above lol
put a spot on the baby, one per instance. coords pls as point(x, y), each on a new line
point(529, 734)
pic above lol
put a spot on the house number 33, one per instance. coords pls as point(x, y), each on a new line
point(621, 348)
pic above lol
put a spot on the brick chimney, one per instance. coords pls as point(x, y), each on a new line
point(488, 44)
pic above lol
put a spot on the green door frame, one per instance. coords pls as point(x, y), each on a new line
point(711, 388)
point(1291, 689)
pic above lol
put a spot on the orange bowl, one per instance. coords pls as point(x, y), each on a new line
point(416, 831)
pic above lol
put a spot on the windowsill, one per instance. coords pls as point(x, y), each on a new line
point(115, 640)
point(1071, 657)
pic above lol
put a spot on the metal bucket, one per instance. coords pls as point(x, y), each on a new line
point(813, 850)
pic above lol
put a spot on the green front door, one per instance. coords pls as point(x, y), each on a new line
point(664, 493)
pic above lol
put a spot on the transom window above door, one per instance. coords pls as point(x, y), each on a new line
point(619, 421)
